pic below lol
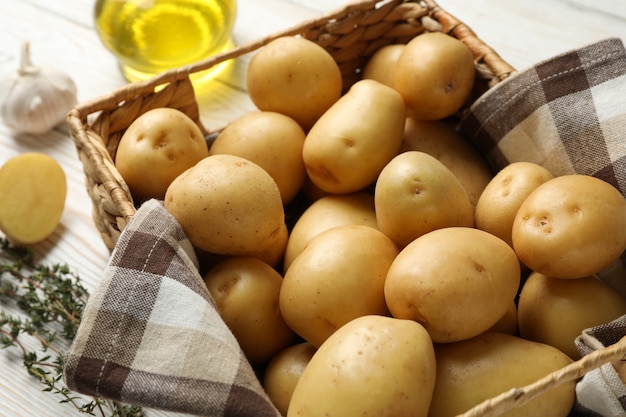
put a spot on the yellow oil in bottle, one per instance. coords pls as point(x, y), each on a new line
point(152, 36)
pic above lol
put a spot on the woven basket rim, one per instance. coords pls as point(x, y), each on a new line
point(452, 26)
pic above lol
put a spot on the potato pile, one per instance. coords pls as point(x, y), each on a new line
point(362, 251)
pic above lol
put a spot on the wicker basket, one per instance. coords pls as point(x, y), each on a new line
point(351, 35)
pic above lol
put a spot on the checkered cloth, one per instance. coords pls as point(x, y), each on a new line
point(601, 392)
point(568, 114)
point(151, 336)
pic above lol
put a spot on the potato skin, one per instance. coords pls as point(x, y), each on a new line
point(508, 323)
point(245, 291)
point(354, 139)
point(380, 66)
point(477, 369)
point(585, 302)
point(326, 212)
point(228, 205)
point(158, 146)
point(372, 366)
point(271, 140)
point(277, 81)
point(456, 281)
point(415, 194)
point(504, 194)
point(340, 275)
point(283, 372)
point(435, 75)
point(442, 141)
point(571, 226)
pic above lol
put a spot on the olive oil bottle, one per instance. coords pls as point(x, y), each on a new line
point(152, 36)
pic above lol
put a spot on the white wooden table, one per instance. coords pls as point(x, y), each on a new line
point(61, 33)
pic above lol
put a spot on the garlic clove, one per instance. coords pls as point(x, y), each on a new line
point(36, 99)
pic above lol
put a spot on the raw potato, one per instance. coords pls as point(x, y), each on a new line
point(415, 194)
point(245, 291)
point(158, 146)
point(228, 205)
point(508, 323)
point(380, 65)
point(327, 212)
point(435, 75)
point(503, 196)
point(33, 189)
point(457, 282)
point(283, 372)
point(571, 226)
point(372, 366)
point(442, 141)
point(351, 143)
point(340, 275)
point(555, 311)
point(273, 254)
point(472, 371)
point(296, 77)
point(271, 140)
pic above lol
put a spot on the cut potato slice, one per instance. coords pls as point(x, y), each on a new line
point(33, 189)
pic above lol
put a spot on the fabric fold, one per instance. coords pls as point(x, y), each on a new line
point(151, 335)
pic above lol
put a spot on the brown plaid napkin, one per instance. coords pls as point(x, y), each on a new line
point(151, 335)
point(568, 114)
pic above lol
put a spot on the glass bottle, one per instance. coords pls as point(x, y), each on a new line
point(151, 36)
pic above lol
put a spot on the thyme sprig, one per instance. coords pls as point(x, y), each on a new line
point(51, 300)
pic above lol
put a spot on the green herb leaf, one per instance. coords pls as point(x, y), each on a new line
point(52, 300)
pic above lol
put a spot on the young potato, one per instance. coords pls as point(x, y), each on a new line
point(33, 189)
point(474, 370)
point(278, 81)
point(372, 366)
point(503, 196)
point(442, 141)
point(571, 226)
point(555, 311)
point(456, 281)
point(311, 191)
point(508, 323)
point(273, 254)
point(415, 194)
point(227, 205)
point(380, 65)
point(351, 143)
point(245, 291)
point(271, 140)
point(158, 146)
point(338, 276)
point(283, 372)
point(435, 75)
point(327, 212)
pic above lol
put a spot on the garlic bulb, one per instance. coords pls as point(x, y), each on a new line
point(35, 99)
